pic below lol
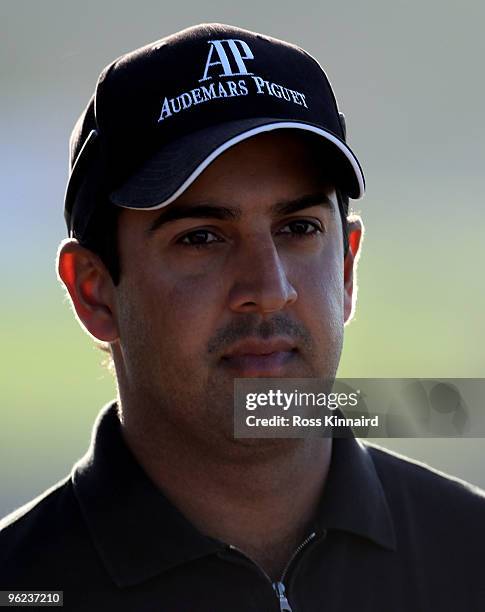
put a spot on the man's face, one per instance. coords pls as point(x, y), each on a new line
point(241, 276)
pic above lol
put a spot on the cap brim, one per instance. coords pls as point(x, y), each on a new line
point(166, 175)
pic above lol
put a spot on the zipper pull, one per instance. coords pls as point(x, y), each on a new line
point(279, 587)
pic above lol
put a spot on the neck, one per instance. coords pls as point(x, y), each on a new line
point(260, 499)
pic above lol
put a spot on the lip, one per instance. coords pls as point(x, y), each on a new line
point(259, 358)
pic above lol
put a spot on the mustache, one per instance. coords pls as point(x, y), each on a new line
point(248, 327)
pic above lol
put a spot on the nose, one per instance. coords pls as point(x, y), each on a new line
point(260, 283)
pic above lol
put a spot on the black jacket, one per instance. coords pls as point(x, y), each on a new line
point(391, 535)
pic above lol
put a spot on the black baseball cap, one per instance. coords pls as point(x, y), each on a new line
point(162, 113)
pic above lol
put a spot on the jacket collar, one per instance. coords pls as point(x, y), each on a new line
point(138, 533)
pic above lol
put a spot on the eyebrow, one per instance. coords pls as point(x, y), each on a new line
point(207, 210)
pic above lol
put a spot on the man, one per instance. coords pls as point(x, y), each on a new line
point(207, 211)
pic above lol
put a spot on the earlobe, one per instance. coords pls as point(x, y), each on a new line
point(355, 230)
point(90, 288)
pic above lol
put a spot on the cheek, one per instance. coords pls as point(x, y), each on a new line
point(192, 305)
point(321, 310)
point(174, 313)
point(319, 282)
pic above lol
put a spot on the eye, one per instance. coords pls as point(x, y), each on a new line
point(199, 238)
point(301, 228)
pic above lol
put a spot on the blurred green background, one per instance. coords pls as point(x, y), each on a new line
point(409, 77)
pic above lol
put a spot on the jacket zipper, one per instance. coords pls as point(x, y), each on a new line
point(279, 586)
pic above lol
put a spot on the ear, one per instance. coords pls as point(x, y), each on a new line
point(356, 231)
point(91, 289)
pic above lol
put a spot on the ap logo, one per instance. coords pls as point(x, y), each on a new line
point(237, 50)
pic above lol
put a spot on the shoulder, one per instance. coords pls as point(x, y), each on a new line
point(38, 540)
point(39, 512)
point(428, 498)
point(412, 473)
point(439, 526)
